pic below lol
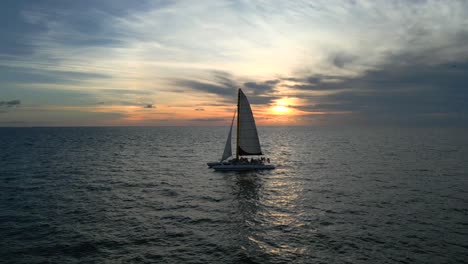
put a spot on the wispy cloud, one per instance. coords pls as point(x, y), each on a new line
point(219, 83)
point(401, 59)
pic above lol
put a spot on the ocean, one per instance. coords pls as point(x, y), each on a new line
point(145, 195)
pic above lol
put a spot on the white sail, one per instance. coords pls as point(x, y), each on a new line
point(247, 138)
point(228, 149)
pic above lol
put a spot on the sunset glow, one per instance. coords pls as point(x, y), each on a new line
point(159, 63)
point(280, 109)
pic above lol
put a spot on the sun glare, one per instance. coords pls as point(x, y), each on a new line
point(280, 109)
point(282, 106)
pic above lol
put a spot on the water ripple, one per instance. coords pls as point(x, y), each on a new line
point(144, 195)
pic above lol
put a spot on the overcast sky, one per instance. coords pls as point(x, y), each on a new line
point(115, 62)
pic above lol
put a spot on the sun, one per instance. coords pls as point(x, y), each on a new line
point(280, 109)
point(283, 106)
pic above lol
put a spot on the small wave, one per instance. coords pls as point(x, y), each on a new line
point(168, 193)
point(175, 234)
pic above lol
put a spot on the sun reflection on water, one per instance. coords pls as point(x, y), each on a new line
point(267, 211)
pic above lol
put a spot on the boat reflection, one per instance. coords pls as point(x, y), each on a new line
point(246, 214)
point(264, 223)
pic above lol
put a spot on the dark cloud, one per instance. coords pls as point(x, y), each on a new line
point(10, 103)
point(87, 22)
point(35, 76)
point(212, 88)
point(12, 122)
point(199, 109)
point(125, 91)
point(292, 79)
point(261, 88)
point(126, 103)
point(319, 83)
point(261, 100)
point(224, 85)
point(261, 92)
point(399, 93)
point(341, 59)
point(17, 34)
point(220, 84)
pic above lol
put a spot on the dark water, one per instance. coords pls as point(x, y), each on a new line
point(145, 195)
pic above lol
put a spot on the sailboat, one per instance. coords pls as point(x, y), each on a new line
point(247, 143)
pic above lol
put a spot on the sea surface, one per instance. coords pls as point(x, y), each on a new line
point(145, 195)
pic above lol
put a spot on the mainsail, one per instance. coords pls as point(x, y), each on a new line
point(247, 136)
point(228, 149)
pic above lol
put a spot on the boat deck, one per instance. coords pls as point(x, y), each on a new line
point(242, 167)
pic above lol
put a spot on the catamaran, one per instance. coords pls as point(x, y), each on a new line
point(247, 144)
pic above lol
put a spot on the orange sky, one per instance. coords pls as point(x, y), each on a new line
point(174, 63)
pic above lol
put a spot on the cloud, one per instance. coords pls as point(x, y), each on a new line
point(342, 60)
point(212, 88)
point(149, 106)
point(23, 75)
point(383, 60)
point(17, 37)
point(219, 83)
point(11, 103)
point(262, 92)
point(262, 100)
point(80, 23)
point(262, 87)
point(225, 86)
point(318, 83)
point(199, 109)
point(399, 93)
point(124, 91)
point(12, 122)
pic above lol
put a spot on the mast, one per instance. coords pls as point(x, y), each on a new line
point(237, 141)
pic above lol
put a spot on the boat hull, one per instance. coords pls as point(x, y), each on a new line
point(242, 167)
point(211, 164)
